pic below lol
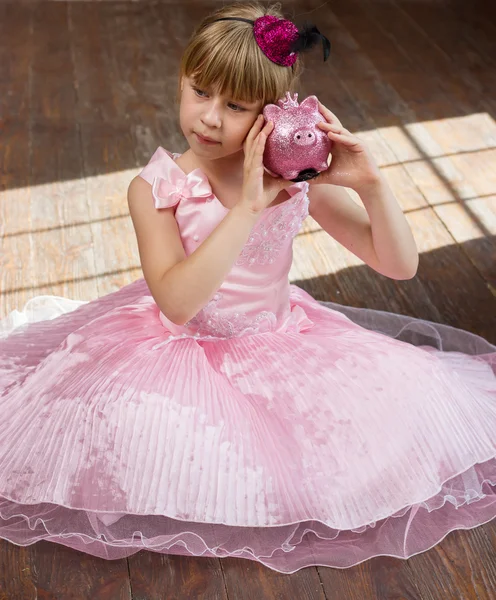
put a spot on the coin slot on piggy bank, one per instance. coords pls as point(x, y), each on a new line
point(296, 149)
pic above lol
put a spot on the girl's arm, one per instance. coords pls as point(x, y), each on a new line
point(186, 288)
point(181, 286)
point(379, 235)
point(392, 237)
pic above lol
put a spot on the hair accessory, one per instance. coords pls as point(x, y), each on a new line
point(280, 40)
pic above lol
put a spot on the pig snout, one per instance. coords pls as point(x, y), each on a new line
point(304, 137)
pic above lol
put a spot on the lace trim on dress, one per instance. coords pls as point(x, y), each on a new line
point(226, 324)
point(269, 238)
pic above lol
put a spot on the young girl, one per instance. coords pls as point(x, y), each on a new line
point(213, 409)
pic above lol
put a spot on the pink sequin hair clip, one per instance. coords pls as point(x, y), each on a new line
point(281, 40)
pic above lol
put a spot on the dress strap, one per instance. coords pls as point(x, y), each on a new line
point(170, 183)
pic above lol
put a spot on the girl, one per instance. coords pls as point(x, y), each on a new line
point(211, 408)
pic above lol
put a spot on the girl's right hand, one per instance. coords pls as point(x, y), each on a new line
point(259, 188)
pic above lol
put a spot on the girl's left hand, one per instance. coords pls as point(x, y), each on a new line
point(352, 165)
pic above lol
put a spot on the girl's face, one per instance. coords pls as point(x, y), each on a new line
point(205, 113)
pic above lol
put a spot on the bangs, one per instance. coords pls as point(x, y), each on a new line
point(229, 61)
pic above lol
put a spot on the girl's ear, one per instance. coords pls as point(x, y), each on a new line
point(182, 83)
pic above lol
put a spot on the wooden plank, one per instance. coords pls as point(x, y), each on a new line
point(461, 148)
point(16, 578)
point(172, 577)
point(490, 531)
point(246, 579)
point(445, 30)
point(16, 23)
point(449, 81)
point(92, 71)
point(49, 209)
point(109, 162)
point(461, 567)
point(49, 570)
point(59, 207)
point(16, 49)
point(376, 579)
point(77, 575)
point(480, 28)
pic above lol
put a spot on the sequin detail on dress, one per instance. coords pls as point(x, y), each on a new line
point(209, 321)
point(272, 235)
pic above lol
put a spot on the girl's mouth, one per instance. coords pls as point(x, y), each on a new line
point(206, 141)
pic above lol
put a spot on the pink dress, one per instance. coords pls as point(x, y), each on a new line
point(271, 427)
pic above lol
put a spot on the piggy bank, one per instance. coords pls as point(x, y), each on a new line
point(296, 149)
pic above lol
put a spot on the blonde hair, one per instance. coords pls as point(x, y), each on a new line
point(226, 57)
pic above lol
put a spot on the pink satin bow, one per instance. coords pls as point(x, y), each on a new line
point(168, 192)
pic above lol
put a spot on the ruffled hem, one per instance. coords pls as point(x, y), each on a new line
point(285, 549)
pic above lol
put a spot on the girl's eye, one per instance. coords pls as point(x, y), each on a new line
point(203, 94)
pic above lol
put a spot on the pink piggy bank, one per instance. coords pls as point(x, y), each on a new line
point(296, 149)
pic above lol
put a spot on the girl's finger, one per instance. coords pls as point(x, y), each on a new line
point(254, 131)
point(262, 137)
point(257, 132)
point(269, 126)
point(254, 159)
point(254, 152)
point(257, 125)
point(332, 128)
point(347, 140)
point(330, 116)
point(260, 147)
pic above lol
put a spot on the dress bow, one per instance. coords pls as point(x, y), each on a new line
point(168, 192)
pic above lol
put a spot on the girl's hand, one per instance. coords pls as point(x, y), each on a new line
point(259, 188)
point(352, 165)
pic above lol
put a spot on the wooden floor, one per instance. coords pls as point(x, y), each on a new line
point(87, 93)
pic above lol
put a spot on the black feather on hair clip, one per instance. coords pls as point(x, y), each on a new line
point(308, 37)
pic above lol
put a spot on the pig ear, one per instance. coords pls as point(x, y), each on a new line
point(271, 111)
point(310, 103)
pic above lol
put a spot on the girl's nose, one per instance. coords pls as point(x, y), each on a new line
point(211, 116)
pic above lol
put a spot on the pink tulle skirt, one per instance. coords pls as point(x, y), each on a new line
point(364, 434)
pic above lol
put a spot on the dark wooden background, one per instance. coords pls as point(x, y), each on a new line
point(87, 93)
